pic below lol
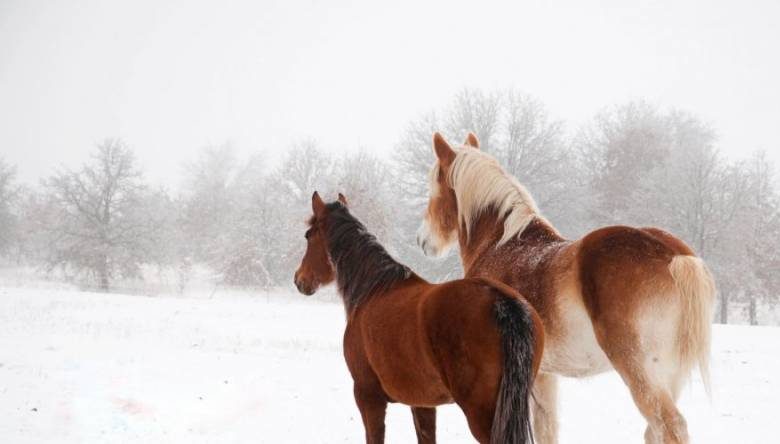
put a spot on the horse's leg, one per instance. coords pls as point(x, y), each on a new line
point(425, 424)
point(675, 386)
point(651, 392)
point(480, 419)
point(544, 408)
point(475, 393)
point(372, 404)
point(665, 424)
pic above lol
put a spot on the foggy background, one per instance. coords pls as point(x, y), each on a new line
point(152, 147)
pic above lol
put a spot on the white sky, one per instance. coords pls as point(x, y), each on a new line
point(172, 76)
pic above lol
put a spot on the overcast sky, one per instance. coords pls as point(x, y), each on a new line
point(172, 76)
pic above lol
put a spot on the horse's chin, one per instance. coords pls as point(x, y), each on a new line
point(307, 290)
point(439, 253)
point(430, 245)
point(433, 249)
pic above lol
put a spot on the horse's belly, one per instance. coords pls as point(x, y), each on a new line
point(404, 370)
point(572, 349)
point(419, 393)
point(413, 384)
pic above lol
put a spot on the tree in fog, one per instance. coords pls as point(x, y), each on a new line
point(304, 169)
point(413, 158)
point(363, 179)
point(653, 168)
point(99, 223)
point(760, 221)
point(217, 218)
point(8, 195)
point(246, 257)
point(207, 201)
point(725, 244)
point(619, 149)
point(480, 112)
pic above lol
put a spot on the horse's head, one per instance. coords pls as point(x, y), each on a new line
point(439, 228)
point(316, 268)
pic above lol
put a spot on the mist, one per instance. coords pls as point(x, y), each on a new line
point(158, 168)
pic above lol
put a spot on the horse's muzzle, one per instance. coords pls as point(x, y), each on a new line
point(304, 289)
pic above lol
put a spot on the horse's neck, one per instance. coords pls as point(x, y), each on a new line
point(480, 255)
point(363, 268)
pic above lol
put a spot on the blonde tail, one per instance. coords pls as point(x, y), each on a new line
point(697, 289)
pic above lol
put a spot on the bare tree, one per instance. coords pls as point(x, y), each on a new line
point(761, 224)
point(621, 146)
point(247, 255)
point(8, 195)
point(98, 224)
point(304, 169)
point(207, 201)
point(413, 158)
point(477, 111)
point(225, 218)
point(725, 243)
point(363, 178)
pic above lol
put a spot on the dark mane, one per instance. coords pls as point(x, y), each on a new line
point(363, 267)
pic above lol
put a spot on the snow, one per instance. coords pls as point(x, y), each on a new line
point(86, 367)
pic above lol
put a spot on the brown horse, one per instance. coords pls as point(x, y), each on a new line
point(634, 299)
point(471, 341)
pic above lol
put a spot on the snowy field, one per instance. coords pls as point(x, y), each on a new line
point(94, 368)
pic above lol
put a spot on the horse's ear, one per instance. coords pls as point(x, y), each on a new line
point(317, 205)
point(343, 200)
point(444, 152)
point(472, 141)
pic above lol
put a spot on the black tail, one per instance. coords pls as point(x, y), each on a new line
point(512, 420)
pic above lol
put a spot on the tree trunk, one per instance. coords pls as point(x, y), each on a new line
point(724, 307)
point(753, 311)
point(103, 275)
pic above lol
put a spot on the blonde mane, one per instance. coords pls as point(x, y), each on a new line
point(479, 183)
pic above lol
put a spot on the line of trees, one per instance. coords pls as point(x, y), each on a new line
point(243, 219)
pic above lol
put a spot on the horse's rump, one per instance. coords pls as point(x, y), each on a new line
point(645, 282)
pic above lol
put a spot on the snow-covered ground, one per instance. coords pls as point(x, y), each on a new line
point(85, 367)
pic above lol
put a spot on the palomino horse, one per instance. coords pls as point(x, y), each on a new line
point(635, 299)
point(471, 341)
